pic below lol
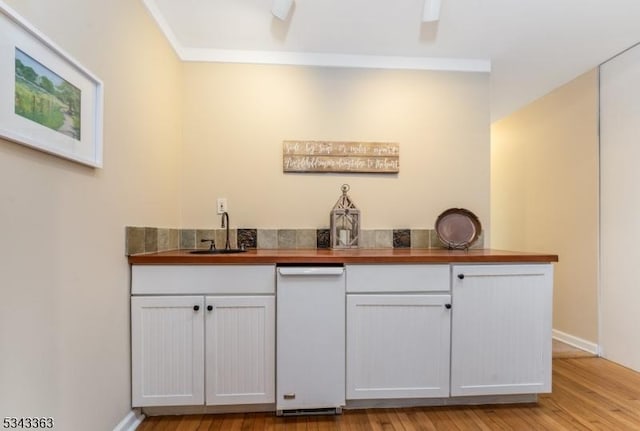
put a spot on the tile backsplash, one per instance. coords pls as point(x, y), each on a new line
point(152, 239)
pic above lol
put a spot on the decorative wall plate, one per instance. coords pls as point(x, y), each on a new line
point(458, 228)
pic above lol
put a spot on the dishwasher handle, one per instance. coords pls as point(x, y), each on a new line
point(311, 270)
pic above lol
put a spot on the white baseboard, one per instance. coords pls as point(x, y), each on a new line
point(576, 342)
point(130, 421)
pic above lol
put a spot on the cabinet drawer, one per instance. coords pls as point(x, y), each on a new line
point(397, 278)
point(202, 280)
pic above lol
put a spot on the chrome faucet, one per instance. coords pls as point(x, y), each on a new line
point(225, 215)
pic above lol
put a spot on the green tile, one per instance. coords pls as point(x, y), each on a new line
point(187, 238)
point(150, 239)
point(384, 238)
point(163, 239)
point(368, 238)
point(419, 238)
point(267, 238)
point(134, 240)
point(286, 238)
point(306, 238)
point(434, 241)
point(174, 239)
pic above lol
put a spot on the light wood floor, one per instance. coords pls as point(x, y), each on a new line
point(562, 350)
point(588, 394)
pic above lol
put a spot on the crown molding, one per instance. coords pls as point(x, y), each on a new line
point(334, 60)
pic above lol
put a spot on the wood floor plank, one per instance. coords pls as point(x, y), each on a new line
point(612, 400)
point(269, 423)
point(249, 422)
point(508, 418)
point(168, 425)
point(441, 420)
point(617, 392)
point(259, 422)
point(589, 394)
point(472, 412)
point(489, 418)
point(207, 424)
point(379, 420)
point(420, 420)
point(357, 420)
point(462, 420)
point(329, 423)
point(149, 423)
point(539, 420)
point(400, 417)
point(596, 408)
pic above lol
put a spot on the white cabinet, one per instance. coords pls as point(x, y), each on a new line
point(501, 329)
point(240, 350)
point(196, 349)
point(398, 331)
point(398, 346)
point(412, 331)
point(167, 350)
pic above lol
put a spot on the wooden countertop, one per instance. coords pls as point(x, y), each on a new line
point(311, 256)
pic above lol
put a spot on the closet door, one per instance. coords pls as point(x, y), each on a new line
point(620, 208)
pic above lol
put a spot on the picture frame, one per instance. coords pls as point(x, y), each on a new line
point(48, 101)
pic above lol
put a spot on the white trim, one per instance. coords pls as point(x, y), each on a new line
point(313, 58)
point(131, 421)
point(576, 342)
point(334, 60)
point(599, 215)
point(164, 26)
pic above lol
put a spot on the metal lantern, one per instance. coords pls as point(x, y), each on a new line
point(345, 222)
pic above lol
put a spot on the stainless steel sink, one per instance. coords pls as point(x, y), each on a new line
point(219, 251)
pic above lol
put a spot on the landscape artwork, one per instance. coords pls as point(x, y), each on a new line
point(44, 97)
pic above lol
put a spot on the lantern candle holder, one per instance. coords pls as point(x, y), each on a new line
point(345, 222)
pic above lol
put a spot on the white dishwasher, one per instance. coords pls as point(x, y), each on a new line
point(310, 332)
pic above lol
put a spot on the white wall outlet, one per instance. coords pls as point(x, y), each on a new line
point(221, 205)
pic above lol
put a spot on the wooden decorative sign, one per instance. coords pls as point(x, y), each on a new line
point(344, 157)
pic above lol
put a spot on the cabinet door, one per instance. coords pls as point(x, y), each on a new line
point(167, 350)
point(240, 364)
point(397, 346)
point(501, 329)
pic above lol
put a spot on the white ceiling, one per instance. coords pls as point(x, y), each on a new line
point(530, 46)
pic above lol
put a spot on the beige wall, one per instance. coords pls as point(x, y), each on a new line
point(544, 194)
point(64, 331)
point(236, 117)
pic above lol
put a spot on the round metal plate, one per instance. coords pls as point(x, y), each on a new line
point(458, 228)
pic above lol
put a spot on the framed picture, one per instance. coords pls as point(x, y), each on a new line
point(48, 101)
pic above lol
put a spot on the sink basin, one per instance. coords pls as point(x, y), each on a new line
point(219, 251)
